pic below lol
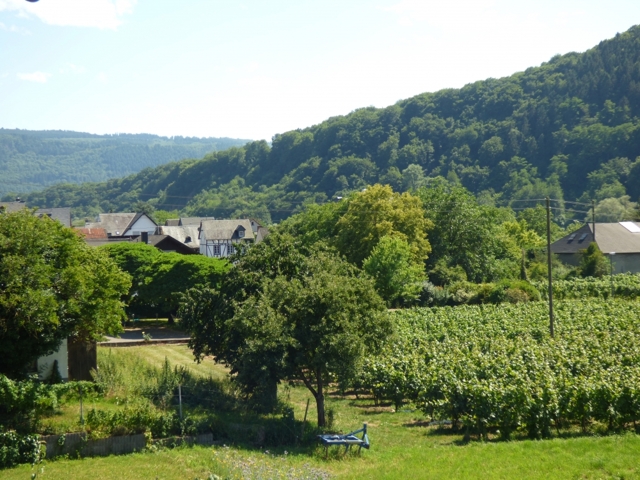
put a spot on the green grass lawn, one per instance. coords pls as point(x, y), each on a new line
point(614, 457)
point(402, 446)
point(176, 354)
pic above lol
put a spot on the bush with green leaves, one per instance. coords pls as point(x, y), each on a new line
point(137, 417)
point(23, 402)
point(16, 449)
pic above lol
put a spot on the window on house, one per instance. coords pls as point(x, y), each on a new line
point(216, 250)
point(241, 233)
point(232, 249)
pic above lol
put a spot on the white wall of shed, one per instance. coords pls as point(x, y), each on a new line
point(45, 364)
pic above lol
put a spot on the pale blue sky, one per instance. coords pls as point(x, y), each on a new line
point(250, 69)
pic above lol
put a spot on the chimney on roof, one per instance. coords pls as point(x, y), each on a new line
point(144, 237)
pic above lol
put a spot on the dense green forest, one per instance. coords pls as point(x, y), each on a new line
point(568, 129)
point(32, 160)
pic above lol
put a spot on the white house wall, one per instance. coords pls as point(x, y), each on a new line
point(143, 224)
point(45, 364)
point(209, 248)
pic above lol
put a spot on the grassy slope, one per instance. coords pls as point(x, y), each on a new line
point(401, 448)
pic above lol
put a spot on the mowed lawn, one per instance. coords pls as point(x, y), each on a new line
point(176, 354)
point(402, 446)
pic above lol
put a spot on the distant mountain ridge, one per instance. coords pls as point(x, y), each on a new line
point(31, 160)
point(567, 129)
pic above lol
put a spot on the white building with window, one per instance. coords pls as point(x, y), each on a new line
point(124, 224)
point(619, 241)
point(221, 238)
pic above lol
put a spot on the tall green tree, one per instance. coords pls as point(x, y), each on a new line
point(52, 286)
point(398, 277)
point(593, 263)
point(465, 233)
point(159, 278)
point(378, 212)
point(300, 315)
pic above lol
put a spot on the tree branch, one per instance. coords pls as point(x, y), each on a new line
point(308, 384)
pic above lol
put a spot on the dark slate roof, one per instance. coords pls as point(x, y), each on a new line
point(181, 233)
point(168, 244)
point(614, 237)
point(116, 224)
point(11, 207)
point(224, 229)
point(574, 242)
point(184, 221)
point(261, 233)
point(610, 237)
point(62, 214)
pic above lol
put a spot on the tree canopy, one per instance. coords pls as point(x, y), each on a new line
point(159, 278)
point(52, 286)
point(31, 160)
point(285, 312)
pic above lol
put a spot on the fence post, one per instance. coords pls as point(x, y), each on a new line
point(81, 412)
point(180, 399)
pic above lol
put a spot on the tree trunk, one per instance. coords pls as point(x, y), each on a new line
point(318, 393)
point(320, 400)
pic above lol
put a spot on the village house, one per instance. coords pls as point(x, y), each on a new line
point(221, 238)
point(63, 215)
point(123, 224)
point(619, 241)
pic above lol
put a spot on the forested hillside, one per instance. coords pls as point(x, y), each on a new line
point(31, 160)
point(567, 129)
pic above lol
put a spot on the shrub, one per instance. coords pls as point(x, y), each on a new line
point(593, 262)
point(22, 403)
point(16, 449)
point(139, 417)
point(513, 291)
point(443, 274)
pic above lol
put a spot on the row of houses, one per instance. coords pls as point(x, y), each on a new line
point(187, 235)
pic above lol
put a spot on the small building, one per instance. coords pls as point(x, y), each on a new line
point(76, 360)
point(124, 224)
point(619, 241)
point(185, 230)
point(221, 238)
point(63, 215)
point(167, 244)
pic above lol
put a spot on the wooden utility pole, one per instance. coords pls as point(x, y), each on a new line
point(593, 218)
point(549, 267)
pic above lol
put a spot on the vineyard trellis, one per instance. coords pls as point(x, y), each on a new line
point(496, 366)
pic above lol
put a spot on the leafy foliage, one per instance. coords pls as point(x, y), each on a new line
point(398, 278)
point(497, 367)
point(16, 449)
point(284, 312)
point(593, 262)
point(159, 278)
point(52, 286)
point(23, 402)
point(625, 285)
